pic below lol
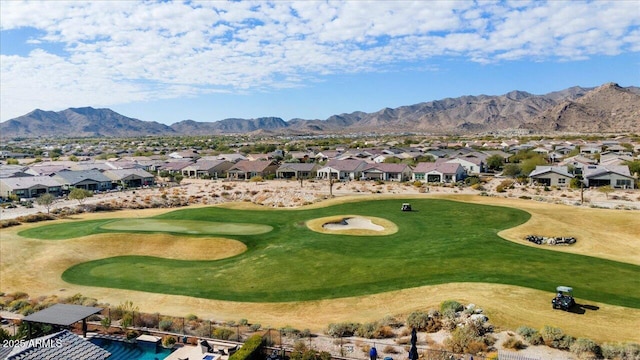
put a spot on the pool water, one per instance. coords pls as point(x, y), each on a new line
point(126, 351)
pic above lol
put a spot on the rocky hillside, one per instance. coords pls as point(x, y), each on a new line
point(80, 122)
point(605, 109)
point(228, 126)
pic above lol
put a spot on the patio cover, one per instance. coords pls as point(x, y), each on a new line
point(62, 314)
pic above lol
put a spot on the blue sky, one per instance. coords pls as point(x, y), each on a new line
point(211, 60)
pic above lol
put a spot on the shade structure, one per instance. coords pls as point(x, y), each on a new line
point(62, 314)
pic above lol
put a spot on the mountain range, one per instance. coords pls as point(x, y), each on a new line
point(605, 109)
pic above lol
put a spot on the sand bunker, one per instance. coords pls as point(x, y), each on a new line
point(352, 225)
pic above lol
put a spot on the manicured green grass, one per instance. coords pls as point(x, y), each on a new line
point(443, 241)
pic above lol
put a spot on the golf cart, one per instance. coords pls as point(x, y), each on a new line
point(564, 298)
point(406, 207)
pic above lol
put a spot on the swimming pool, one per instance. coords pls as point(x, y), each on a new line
point(131, 351)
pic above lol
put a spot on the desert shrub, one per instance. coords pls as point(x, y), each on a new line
point(35, 218)
point(257, 178)
point(9, 223)
point(391, 321)
point(472, 180)
point(631, 351)
point(461, 339)
point(342, 329)
point(126, 320)
point(132, 334)
point(383, 332)
point(165, 324)
point(513, 343)
point(450, 305)
point(556, 338)
point(418, 320)
point(417, 183)
point(255, 327)
point(146, 320)
point(191, 317)
point(19, 295)
point(222, 333)
point(585, 348)
point(243, 322)
point(18, 304)
point(27, 310)
point(366, 330)
point(505, 185)
point(390, 350)
point(531, 335)
point(476, 346)
point(611, 351)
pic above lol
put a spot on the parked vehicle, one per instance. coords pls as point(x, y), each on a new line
point(564, 298)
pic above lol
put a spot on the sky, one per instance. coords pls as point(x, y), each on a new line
point(168, 61)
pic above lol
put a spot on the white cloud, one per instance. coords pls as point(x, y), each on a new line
point(147, 50)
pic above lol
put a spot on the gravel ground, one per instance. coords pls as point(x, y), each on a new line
point(282, 194)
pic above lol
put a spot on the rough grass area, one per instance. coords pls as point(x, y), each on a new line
point(442, 242)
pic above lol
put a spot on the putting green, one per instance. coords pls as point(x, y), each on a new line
point(441, 242)
point(187, 227)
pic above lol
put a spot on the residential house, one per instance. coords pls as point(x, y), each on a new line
point(614, 176)
point(130, 178)
point(259, 157)
point(93, 180)
point(45, 170)
point(387, 172)
point(301, 156)
point(231, 157)
point(326, 155)
point(472, 163)
point(577, 163)
point(29, 186)
point(213, 169)
point(187, 154)
point(246, 169)
point(60, 345)
point(342, 169)
point(175, 166)
point(551, 176)
point(297, 171)
point(591, 149)
point(13, 171)
point(443, 172)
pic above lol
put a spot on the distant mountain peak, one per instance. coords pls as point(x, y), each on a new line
point(607, 108)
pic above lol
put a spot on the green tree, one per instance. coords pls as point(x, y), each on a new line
point(528, 165)
point(178, 178)
point(46, 200)
point(80, 194)
point(634, 166)
point(606, 190)
point(511, 170)
point(495, 162)
point(106, 323)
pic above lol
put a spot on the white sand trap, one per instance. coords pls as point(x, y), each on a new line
point(353, 223)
